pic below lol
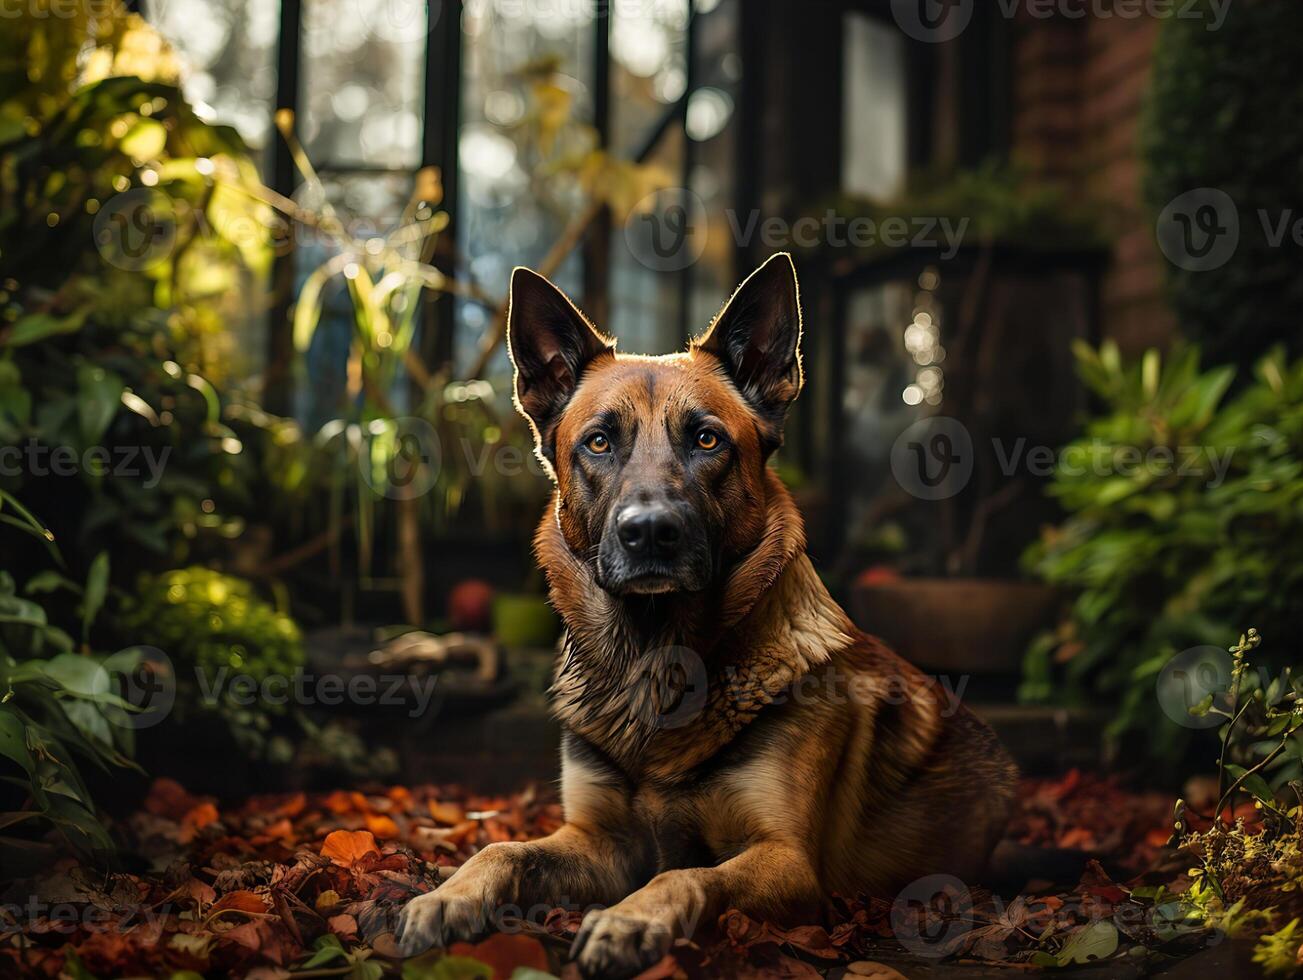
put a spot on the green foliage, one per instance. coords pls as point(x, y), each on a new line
point(116, 201)
point(206, 620)
point(993, 204)
point(1246, 882)
point(1225, 111)
point(56, 702)
point(1185, 519)
point(216, 628)
point(109, 352)
point(1280, 954)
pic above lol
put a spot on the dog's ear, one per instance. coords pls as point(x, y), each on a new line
point(550, 343)
point(757, 336)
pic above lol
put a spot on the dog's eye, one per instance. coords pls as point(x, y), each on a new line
point(598, 444)
point(707, 440)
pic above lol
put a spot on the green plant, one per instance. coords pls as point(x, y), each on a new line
point(994, 203)
point(127, 226)
point(1185, 518)
point(57, 706)
point(215, 628)
point(117, 202)
point(1225, 112)
point(1246, 881)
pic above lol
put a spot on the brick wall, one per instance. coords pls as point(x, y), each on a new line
point(1078, 88)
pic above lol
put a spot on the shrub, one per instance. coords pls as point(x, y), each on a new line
point(1225, 111)
point(1160, 557)
point(57, 707)
point(214, 627)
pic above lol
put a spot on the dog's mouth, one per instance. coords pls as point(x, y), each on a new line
point(651, 584)
point(621, 579)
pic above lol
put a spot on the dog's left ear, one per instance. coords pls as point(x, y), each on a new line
point(550, 343)
point(757, 336)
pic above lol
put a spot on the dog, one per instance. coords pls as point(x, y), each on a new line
point(729, 738)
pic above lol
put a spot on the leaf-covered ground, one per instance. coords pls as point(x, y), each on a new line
point(309, 886)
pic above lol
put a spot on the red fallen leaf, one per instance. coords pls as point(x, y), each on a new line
point(281, 830)
point(267, 938)
point(462, 833)
point(344, 926)
point(1077, 837)
point(195, 820)
point(1096, 882)
point(197, 891)
point(449, 813)
point(346, 801)
point(381, 826)
point(505, 953)
point(293, 806)
point(251, 903)
point(168, 798)
point(746, 932)
point(347, 847)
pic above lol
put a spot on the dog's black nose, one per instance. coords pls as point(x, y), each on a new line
point(650, 531)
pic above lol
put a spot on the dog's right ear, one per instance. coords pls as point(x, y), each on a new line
point(550, 343)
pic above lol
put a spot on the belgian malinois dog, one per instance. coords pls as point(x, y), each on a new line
point(730, 739)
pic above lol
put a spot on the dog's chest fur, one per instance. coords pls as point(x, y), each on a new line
point(660, 706)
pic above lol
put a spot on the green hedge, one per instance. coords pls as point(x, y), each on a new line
point(1225, 111)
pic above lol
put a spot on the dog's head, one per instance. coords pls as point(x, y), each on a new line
point(659, 462)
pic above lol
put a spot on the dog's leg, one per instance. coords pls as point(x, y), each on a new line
point(517, 878)
point(767, 880)
point(596, 858)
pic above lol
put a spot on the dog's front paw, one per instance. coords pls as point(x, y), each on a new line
point(440, 917)
point(615, 945)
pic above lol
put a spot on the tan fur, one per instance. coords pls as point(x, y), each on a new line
point(813, 761)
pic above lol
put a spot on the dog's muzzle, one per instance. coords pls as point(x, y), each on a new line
point(651, 548)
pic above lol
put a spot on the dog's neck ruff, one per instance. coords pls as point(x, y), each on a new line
point(663, 686)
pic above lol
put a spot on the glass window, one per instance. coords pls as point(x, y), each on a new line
point(526, 110)
point(228, 50)
point(874, 106)
point(363, 83)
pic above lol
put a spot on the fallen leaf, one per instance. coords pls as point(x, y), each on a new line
point(347, 847)
point(381, 826)
point(504, 953)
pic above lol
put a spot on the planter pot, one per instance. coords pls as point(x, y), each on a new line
point(974, 626)
point(524, 621)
